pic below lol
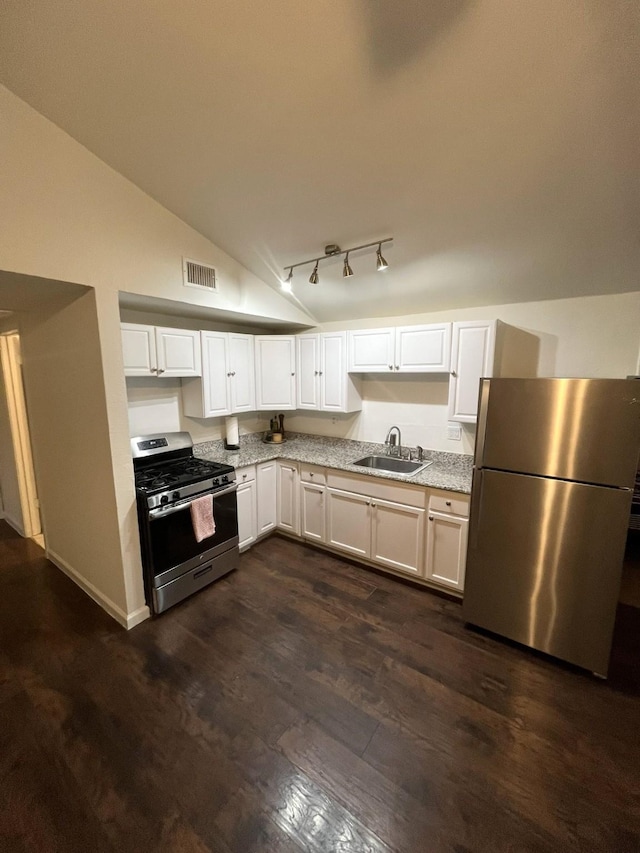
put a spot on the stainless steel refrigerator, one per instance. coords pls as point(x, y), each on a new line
point(555, 465)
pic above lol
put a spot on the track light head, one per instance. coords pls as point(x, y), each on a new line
point(346, 270)
point(381, 263)
point(313, 278)
point(287, 283)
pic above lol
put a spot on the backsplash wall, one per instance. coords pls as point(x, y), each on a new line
point(416, 404)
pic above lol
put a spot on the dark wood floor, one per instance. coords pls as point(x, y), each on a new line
point(301, 704)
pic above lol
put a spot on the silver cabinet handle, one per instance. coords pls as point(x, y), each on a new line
point(153, 369)
point(293, 374)
point(316, 373)
point(244, 476)
point(453, 373)
point(311, 475)
point(373, 503)
point(228, 374)
point(160, 370)
point(390, 367)
point(447, 503)
point(430, 518)
point(397, 367)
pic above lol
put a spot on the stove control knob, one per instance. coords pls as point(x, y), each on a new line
point(225, 479)
point(164, 500)
point(175, 496)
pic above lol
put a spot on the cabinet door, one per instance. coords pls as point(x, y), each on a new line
point(446, 549)
point(288, 496)
point(349, 522)
point(275, 372)
point(397, 538)
point(247, 514)
point(266, 496)
point(333, 372)
point(313, 518)
point(215, 375)
point(372, 351)
point(139, 349)
point(423, 349)
point(178, 352)
point(472, 355)
point(242, 369)
point(308, 372)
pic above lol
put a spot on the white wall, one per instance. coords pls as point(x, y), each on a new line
point(67, 217)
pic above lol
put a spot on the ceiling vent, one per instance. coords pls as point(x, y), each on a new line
point(195, 274)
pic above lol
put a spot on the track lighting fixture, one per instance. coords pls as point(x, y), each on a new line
point(381, 264)
point(331, 251)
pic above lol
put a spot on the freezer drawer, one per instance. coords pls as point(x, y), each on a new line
point(544, 563)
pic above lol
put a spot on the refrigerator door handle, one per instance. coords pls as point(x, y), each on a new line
point(476, 507)
point(481, 427)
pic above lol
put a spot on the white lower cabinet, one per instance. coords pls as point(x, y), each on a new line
point(349, 522)
point(397, 536)
point(446, 552)
point(287, 496)
point(266, 496)
point(247, 506)
point(312, 512)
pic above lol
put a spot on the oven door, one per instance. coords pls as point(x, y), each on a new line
point(173, 546)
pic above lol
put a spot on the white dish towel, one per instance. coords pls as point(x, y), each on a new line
point(202, 519)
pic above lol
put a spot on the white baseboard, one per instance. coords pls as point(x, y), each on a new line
point(127, 620)
point(137, 617)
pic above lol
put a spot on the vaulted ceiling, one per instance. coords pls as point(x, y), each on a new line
point(496, 141)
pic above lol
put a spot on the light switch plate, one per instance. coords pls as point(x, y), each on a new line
point(454, 432)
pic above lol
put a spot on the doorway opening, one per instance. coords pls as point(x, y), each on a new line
point(20, 496)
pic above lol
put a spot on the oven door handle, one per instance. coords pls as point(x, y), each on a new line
point(161, 511)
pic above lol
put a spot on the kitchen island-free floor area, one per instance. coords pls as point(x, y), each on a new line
point(301, 704)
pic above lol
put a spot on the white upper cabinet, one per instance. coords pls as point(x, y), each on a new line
point(405, 349)
point(472, 357)
point(227, 383)
point(423, 349)
point(308, 373)
point(322, 379)
point(242, 370)
point(371, 351)
point(275, 360)
point(139, 349)
point(158, 351)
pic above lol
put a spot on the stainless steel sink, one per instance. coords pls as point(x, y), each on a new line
point(392, 464)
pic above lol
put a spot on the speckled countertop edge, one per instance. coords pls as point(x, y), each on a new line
point(449, 471)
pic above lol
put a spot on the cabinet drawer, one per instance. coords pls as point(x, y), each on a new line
point(313, 474)
point(376, 487)
point(449, 502)
point(246, 474)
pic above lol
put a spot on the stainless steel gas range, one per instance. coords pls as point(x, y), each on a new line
point(169, 479)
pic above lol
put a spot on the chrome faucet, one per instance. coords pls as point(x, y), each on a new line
point(392, 442)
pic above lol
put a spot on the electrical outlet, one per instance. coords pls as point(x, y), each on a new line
point(454, 432)
point(334, 420)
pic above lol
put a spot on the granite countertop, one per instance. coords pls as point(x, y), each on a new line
point(449, 471)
